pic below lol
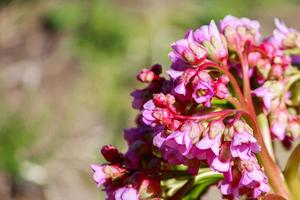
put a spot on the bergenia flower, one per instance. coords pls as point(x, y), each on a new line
point(187, 53)
point(226, 93)
point(279, 122)
point(204, 89)
point(243, 143)
point(238, 31)
point(284, 37)
point(214, 42)
point(126, 193)
point(270, 92)
point(212, 137)
point(106, 172)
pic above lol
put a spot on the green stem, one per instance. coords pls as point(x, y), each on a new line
point(184, 189)
point(264, 127)
point(291, 172)
point(291, 80)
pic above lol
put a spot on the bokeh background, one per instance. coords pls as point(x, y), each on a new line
point(66, 70)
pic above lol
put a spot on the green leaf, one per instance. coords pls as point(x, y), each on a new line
point(194, 187)
point(202, 182)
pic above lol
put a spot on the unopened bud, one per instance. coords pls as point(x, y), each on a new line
point(146, 76)
point(215, 128)
point(112, 154)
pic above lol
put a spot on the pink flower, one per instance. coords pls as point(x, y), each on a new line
point(126, 193)
point(184, 138)
point(270, 93)
point(284, 37)
point(253, 177)
point(279, 122)
point(212, 138)
point(247, 178)
point(239, 31)
point(220, 87)
point(214, 42)
point(293, 129)
point(187, 53)
point(99, 176)
point(104, 173)
point(204, 88)
point(243, 144)
point(153, 114)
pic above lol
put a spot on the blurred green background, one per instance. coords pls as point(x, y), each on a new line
point(66, 70)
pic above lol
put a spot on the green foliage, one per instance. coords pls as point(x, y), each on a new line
point(62, 18)
point(15, 136)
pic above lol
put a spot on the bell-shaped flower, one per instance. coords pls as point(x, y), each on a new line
point(126, 193)
point(284, 37)
point(239, 31)
point(243, 143)
point(214, 42)
point(279, 122)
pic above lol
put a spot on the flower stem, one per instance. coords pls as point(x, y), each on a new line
point(271, 168)
point(233, 81)
point(221, 113)
point(246, 80)
point(291, 172)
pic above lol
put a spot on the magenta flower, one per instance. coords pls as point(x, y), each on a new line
point(106, 172)
point(253, 177)
point(239, 31)
point(293, 128)
point(212, 137)
point(243, 144)
point(184, 138)
point(187, 53)
point(99, 176)
point(284, 37)
point(279, 122)
point(270, 93)
point(214, 42)
point(126, 193)
point(204, 89)
point(220, 87)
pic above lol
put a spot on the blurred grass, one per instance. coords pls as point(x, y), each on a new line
point(16, 134)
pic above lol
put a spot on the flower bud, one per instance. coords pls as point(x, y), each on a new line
point(148, 186)
point(215, 128)
point(293, 129)
point(146, 76)
point(112, 154)
point(277, 71)
point(278, 122)
point(253, 58)
point(125, 193)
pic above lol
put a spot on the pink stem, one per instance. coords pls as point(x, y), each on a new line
point(207, 116)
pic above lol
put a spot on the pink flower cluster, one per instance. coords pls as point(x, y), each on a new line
point(199, 115)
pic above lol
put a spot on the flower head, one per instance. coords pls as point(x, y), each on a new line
point(239, 31)
point(284, 37)
point(126, 193)
point(214, 42)
point(243, 144)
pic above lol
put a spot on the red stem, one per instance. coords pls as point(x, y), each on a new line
point(271, 168)
point(233, 81)
point(207, 116)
